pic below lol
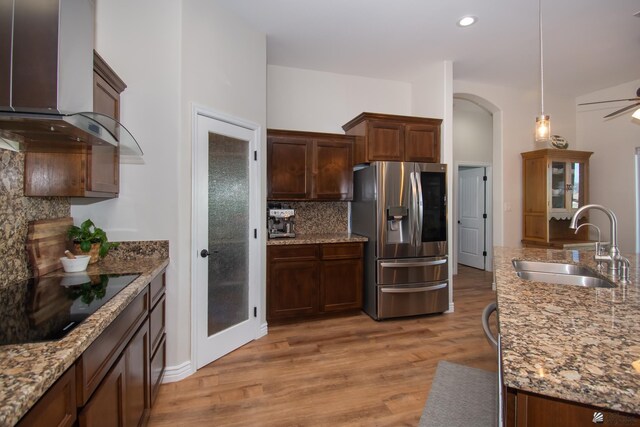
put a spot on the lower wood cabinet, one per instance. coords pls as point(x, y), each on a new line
point(57, 407)
point(308, 280)
point(524, 409)
point(115, 381)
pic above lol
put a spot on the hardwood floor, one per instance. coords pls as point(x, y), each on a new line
point(349, 371)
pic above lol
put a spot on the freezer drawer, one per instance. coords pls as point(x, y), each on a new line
point(412, 300)
point(411, 270)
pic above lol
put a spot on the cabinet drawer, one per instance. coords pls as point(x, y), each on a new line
point(157, 288)
point(96, 361)
point(292, 252)
point(157, 323)
point(341, 250)
point(157, 368)
point(58, 405)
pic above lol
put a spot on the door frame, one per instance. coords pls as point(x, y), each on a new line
point(255, 205)
point(488, 206)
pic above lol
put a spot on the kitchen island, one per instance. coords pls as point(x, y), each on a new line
point(569, 342)
point(27, 371)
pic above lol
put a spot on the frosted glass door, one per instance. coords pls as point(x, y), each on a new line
point(226, 239)
point(228, 288)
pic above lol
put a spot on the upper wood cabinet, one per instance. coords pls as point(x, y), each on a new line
point(309, 166)
point(394, 138)
point(83, 171)
point(555, 183)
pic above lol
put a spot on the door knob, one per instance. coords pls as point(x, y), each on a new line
point(204, 253)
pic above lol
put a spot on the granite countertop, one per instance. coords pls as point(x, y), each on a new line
point(29, 370)
point(309, 239)
point(570, 342)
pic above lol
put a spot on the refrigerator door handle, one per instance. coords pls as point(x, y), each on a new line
point(410, 290)
point(414, 209)
point(420, 209)
point(413, 264)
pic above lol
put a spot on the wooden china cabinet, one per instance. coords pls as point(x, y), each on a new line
point(555, 183)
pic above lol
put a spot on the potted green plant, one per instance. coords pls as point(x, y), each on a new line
point(90, 239)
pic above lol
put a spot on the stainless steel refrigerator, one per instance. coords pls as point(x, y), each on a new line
point(402, 208)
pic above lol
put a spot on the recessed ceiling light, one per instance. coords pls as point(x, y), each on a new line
point(465, 21)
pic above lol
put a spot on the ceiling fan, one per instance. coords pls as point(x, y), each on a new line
point(636, 103)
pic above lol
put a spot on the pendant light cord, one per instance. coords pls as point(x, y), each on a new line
point(541, 55)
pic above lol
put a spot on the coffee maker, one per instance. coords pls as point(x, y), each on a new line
point(281, 223)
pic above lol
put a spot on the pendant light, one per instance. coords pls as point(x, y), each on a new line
point(543, 124)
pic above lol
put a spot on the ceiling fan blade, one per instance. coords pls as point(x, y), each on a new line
point(622, 110)
point(612, 100)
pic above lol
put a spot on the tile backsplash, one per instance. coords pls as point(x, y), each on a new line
point(320, 217)
point(16, 211)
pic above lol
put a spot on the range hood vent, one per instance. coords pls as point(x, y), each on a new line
point(46, 79)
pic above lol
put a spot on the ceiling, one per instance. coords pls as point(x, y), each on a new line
point(588, 44)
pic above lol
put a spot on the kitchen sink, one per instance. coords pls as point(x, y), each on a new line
point(560, 274)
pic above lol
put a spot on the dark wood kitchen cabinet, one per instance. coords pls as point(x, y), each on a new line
point(315, 279)
point(341, 276)
point(533, 410)
point(58, 405)
point(394, 138)
point(83, 170)
point(309, 166)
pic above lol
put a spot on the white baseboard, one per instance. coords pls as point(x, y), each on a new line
point(451, 308)
point(177, 373)
point(182, 371)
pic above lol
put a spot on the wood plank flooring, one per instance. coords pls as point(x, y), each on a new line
point(348, 371)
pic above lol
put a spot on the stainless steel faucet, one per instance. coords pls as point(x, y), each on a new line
point(617, 265)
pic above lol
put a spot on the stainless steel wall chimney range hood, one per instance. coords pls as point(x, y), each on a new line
point(46, 78)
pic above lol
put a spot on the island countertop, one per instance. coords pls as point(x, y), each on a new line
point(27, 371)
point(569, 342)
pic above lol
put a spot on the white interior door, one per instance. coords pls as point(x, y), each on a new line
point(471, 221)
point(225, 237)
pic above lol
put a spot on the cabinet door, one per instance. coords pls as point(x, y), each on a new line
point(57, 407)
point(341, 285)
point(534, 172)
point(332, 172)
point(6, 24)
point(422, 143)
point(107, 405)
point(288, 169)
point(103, 163)
point(385, 141)
point(292, 281)
point(536, 410)
point(137, 377)
point(341, 276)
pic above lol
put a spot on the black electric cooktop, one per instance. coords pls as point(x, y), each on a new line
point(46, 309)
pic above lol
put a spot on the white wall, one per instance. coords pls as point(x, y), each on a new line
point(513, 129)
point(224, 70)
point(172, 54)
point(322, 102)
point(472, 132)
point(612, 166)
point(148, 62)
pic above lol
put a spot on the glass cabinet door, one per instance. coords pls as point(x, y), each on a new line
point(576, 181)
point(567, 182)
point(558, 185)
